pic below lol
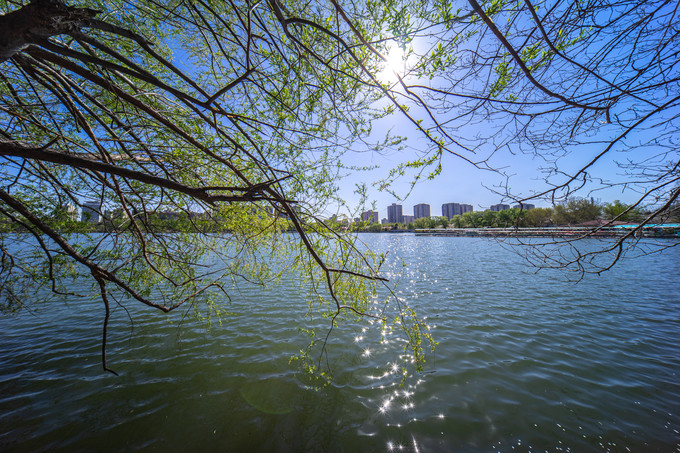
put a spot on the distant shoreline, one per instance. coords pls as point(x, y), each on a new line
point(656, 231)
point(670, 232)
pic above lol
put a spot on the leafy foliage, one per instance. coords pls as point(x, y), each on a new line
point(206, 135)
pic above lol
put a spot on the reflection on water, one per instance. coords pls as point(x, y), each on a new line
point(525, 362)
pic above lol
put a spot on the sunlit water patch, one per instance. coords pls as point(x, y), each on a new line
point(525, 362)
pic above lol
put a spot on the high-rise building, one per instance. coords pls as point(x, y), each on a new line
point(448, 209)
point(526, 206)
point(370, 216)
point(91, 212)
point(407, 219)
point(421, 210)
point(72, 212)
point(452, 209)
point(395, 213)
point(499, 207)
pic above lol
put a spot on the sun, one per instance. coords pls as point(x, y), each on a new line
point(395, 59)
point(393, 64)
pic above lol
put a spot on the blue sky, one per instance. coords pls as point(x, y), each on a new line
point(461, 182)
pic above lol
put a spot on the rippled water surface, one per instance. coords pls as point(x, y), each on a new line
point(525, 362)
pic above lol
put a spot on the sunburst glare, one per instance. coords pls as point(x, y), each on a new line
point(395, 64)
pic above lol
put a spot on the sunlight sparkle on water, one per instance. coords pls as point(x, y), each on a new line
point(415, 445)
point(408, 406)
point(385, 406)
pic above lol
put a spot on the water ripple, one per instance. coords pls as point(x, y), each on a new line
point(525, 363)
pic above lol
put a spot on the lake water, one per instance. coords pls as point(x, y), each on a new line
point(525, 362)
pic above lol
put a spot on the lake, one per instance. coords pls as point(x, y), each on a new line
point(525, 362)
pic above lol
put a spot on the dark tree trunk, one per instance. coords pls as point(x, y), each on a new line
point(36, 22)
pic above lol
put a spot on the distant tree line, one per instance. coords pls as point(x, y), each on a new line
point(116, 220)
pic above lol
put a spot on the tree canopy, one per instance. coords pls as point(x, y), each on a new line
point(239, 114)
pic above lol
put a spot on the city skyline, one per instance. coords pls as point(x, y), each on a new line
point(396, 211)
